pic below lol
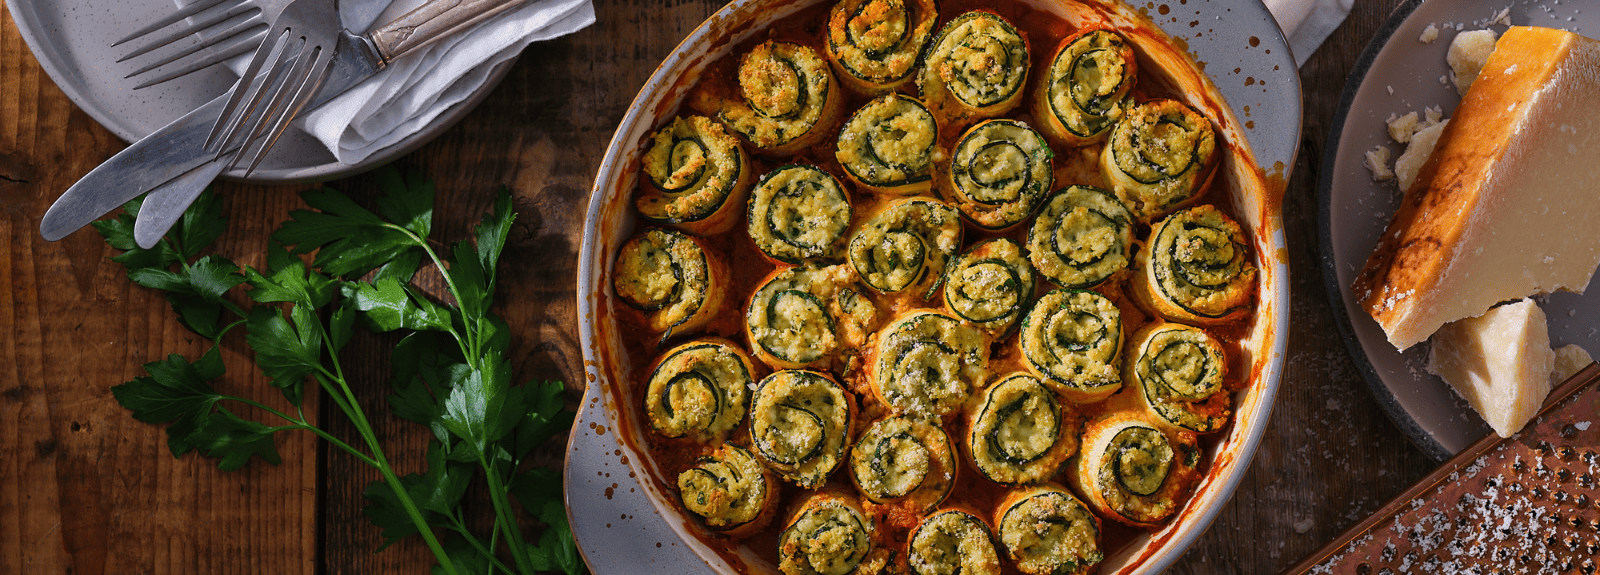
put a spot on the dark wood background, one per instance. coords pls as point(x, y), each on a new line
point(85, 489)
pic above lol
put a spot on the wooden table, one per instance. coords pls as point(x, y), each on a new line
point(85, 489)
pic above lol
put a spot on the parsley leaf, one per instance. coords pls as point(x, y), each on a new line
point(545, 416)
point(352, 240)
point(175, 390)
point(233, 440)
point(482, 407)
point(392, 306)
point(285, 352)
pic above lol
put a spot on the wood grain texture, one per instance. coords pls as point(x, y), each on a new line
point(84, 488)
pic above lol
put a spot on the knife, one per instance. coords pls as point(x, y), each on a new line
point(176, 151)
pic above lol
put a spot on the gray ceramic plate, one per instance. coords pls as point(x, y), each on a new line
point(72, 40)
point(1398, 74)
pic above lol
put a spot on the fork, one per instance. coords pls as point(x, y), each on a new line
point(223, 29)
point(263, 103)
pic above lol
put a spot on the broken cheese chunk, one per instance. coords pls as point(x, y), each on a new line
point(1506, 206)
point(1500, 362)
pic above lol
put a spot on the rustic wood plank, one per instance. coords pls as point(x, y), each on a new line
point(84, 488)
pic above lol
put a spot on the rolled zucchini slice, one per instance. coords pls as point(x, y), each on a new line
point(803, 316)
point(999, 174)
point(829, 534)
point(1071, 340)
point(1180, 371)
point(888, 146)
point(977, 67)
point(1086, 91)
point(904, 460)
point(800, 425)
point(1047, 531)
point(1083, 237)
point(904, 246)
point(797, 213)
point(1019, 432)
point(698, 390)
point(1133, 471)
point(673, 278)
point(875, 44)
point(730, 490)
point(695, 176)
point(990, 285)
point(1159, 157)
point(788, 100)
point(926, 364)
point(952, 542)
point(1197, 268)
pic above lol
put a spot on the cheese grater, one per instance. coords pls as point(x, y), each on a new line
point(1525, 504)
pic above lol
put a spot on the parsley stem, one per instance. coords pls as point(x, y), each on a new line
point(461, 528)
point(352, 409)
point(497, 495)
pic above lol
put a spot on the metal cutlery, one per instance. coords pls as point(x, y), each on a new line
point(223, 29)
point(174, 156)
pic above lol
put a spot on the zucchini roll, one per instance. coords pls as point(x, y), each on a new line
point(926, 364)
point(1047, 531)
point(799, 213)
point(1086, 90)
point(977, 67)
point(1179, 371)
point(1082, 238)
point(695, 174)
point(899, 459)
point(800, 316)
point(952, 542)
point(999, 173)
point(698, 390)
point(1159, 157)
point(673, 278)
point(829, 534)
point(1197, 268)
point(1018, 432)
point(888, 146)
point(990, 285)
point(1133, 471)
point(788, 101)
point(1071, 340)
point(800, 425)
point(874, 44)
point(730, 490)
point(905, 245)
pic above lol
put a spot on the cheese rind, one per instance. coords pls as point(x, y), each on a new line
point(1502, 210)
point(1499, 362)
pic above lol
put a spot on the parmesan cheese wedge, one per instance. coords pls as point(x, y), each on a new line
point(1500, 362)
point(1506, 207)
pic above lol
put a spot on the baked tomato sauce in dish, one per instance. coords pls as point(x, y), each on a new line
point(891, 286)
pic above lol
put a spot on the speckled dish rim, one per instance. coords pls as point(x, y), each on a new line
point(298, 158)
point(1276, 110)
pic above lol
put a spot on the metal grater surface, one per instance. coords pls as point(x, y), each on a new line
point(1526, 504)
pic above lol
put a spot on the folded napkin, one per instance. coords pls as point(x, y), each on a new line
point(1306, 23)
point(417, 88)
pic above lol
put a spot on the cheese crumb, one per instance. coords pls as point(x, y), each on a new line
point(1468, 51)
point(1378, 163)
point(1401, 128)
point(1417, 152)
point(1570, 359)
point(1429, 34)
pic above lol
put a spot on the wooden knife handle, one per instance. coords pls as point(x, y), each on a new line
point(434, 20)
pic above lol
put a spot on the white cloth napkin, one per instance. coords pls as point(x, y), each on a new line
point(1308, 22)
point(420, 86)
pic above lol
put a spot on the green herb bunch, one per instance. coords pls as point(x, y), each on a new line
point(450, 373)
